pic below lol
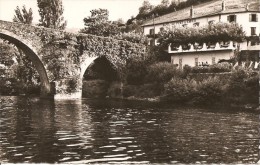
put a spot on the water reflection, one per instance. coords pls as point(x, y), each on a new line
point(101, 131)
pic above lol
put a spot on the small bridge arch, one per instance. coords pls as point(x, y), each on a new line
point(30, 51)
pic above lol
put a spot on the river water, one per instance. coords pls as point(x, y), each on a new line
point(34, 130)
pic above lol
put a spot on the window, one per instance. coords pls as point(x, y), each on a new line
point(196, 24)
point(161, 29)
point(196, 61)
point(151, 31)
point(184, 25)
point(253, 31)
point(180, 63)
point(232, 18)
point(213, 60)
point(253, 18)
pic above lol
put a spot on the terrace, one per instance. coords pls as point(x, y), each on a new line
point(202, 47)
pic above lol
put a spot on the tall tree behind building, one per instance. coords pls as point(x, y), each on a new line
point(23, 16)
point(51, 12)
point(98, 24)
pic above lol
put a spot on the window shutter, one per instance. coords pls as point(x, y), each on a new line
point(250, 17)
point(228, 18)
point(235, 18)
point(256, 17)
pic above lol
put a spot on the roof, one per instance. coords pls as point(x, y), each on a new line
point(206, 9)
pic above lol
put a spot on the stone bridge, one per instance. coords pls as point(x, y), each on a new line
point(61, 58)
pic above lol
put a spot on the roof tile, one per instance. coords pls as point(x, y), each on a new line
point(205, 9)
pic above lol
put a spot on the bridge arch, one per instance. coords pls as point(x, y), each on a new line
point(30, 51)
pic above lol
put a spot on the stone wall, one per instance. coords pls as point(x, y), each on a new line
point(64, 55)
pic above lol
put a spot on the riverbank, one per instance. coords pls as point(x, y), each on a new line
point(238, 88)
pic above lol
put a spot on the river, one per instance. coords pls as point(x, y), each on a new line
point(34, 130)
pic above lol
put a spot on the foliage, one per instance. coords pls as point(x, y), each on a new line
point(8, 54)
point(180, 90)
point(135, 71)
point(25, 16)
point(208, 91)
point(50, 12)
point(132, 37)
point(18, 66)
point(243, 86)
point(210, 33)
point(98, 24)
point(72, 85)
point(134, 25)
point(162, 72)
point(147, 10)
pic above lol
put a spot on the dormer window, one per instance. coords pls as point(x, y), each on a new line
point(232, 18)
point(253, 18)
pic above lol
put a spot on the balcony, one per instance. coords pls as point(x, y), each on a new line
point(202, 48)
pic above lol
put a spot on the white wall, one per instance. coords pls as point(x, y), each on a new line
point(241, 18)
point(189, 58)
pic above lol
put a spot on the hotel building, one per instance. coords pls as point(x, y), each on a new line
point(244, 12)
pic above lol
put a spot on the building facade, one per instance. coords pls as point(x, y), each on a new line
point(244, 12)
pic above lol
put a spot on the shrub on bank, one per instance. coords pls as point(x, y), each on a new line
point(208, 91)
point(241, 87)
point(179, 90)
point(162, 72)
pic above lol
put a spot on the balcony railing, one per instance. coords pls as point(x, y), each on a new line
point(203, 47)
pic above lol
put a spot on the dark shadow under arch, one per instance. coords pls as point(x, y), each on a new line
point(103, 69)
point(98, 77)
point(31, 53)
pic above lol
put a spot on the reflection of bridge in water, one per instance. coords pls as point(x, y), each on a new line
point(61, 58)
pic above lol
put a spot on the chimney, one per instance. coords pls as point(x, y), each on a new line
point(191, 12)
point(247, 7)
point(223, 5)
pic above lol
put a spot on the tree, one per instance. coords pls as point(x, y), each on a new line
point(98, 24)
point(25, 71)
point(51, 12)
point(24, 16)
point(165, 3)
point(145, 8)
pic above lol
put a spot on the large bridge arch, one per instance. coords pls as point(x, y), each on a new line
point(31, 52)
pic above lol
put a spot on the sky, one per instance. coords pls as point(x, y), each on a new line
point(76, 10)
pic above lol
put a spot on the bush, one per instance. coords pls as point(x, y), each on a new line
point(243, 86)
point(162, 72)
point(208, 91)
point(179, 90)
point(132, 37)
point(135, 71)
